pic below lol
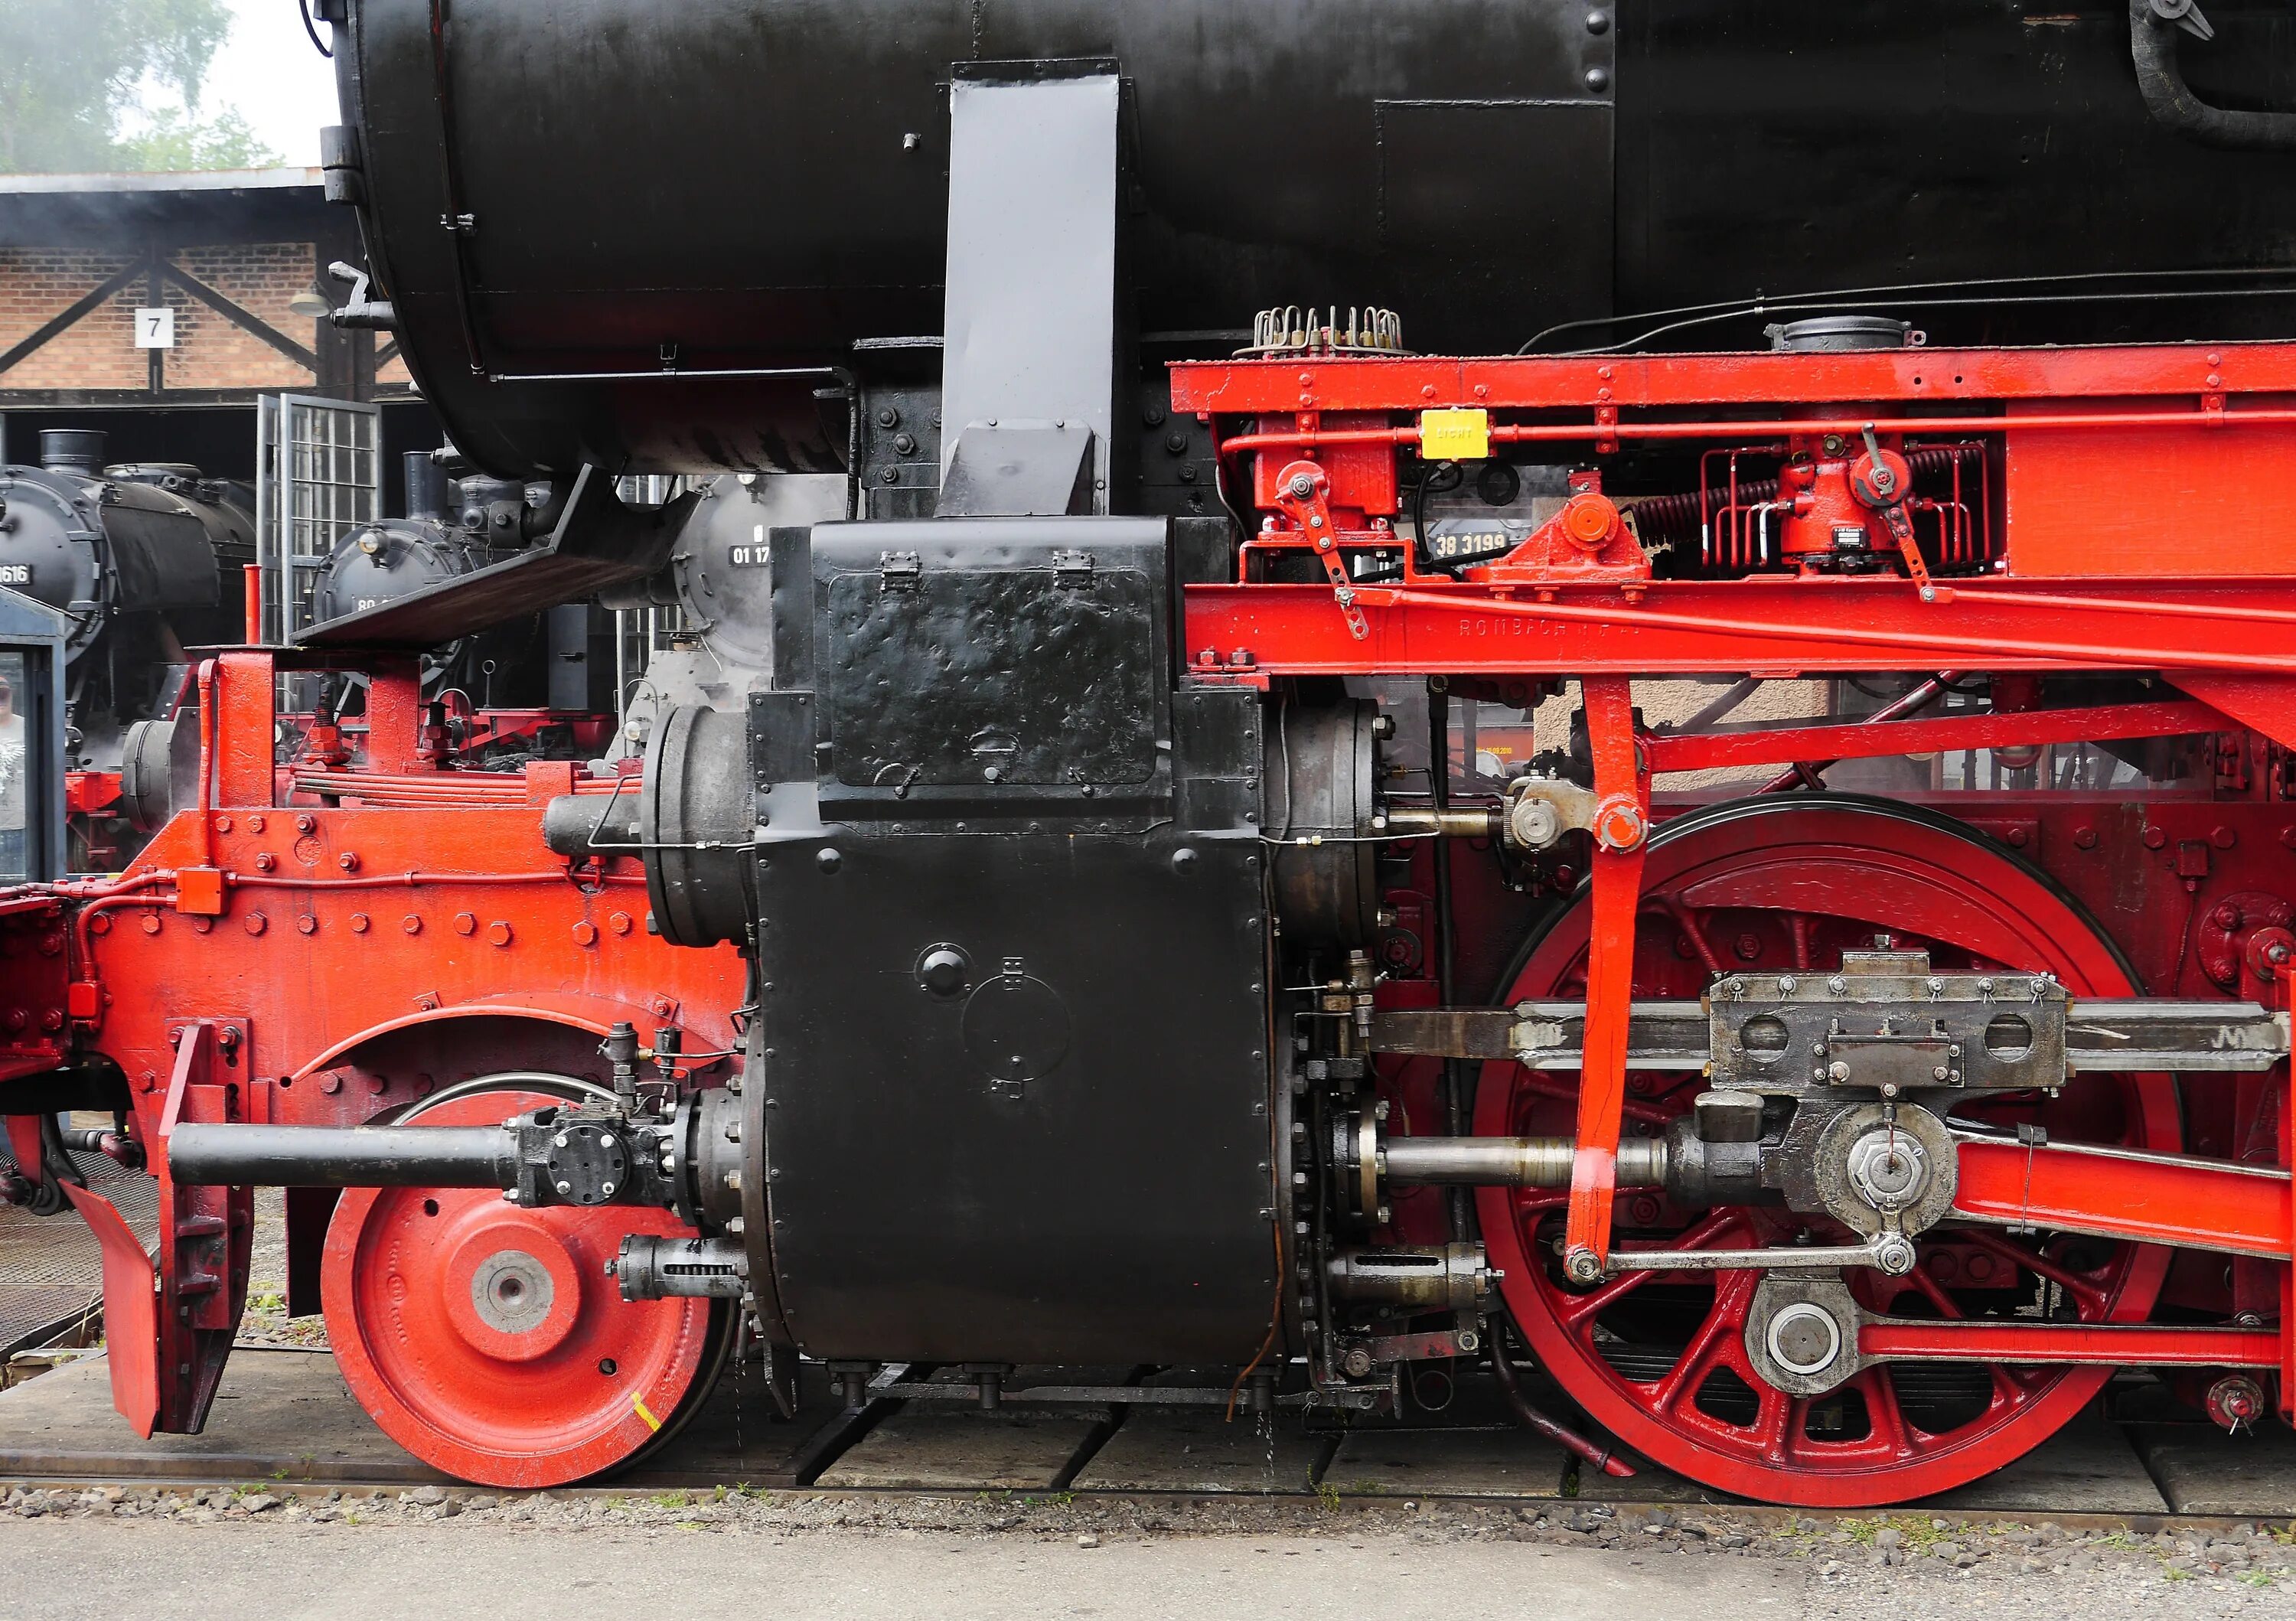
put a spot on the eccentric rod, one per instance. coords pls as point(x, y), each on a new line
point(1513, 1162)
point(209, 1155)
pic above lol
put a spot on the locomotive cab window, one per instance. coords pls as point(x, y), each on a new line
point(14, 772)
point(31, 740)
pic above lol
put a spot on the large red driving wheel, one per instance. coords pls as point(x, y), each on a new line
point(1785, 884)
point(488, 1340)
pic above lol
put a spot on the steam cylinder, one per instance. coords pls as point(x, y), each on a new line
point(591, 189)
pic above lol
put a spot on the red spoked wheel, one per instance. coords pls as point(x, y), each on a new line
point(488, 1340)
point(1785, 884)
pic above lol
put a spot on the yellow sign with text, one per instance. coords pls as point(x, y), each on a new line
point(1454, 435)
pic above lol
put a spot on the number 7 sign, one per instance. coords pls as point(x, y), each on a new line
point(155, 329)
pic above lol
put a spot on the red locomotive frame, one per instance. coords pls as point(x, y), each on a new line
point(2131, 512)
point(329, 945)
point(2110, 509)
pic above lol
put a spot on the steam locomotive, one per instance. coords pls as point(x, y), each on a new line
point(150, 559)
point(1119, 947)
point(146, 559)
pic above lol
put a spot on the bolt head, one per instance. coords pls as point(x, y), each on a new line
point(1894, 1255)
point(1620, 825)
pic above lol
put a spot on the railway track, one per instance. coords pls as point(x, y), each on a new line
point(284, 1422)
point(2236, 1565)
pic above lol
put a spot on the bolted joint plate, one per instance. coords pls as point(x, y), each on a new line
point(1885, 1024)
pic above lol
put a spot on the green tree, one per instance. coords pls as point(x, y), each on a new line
point(174, 139)
point(73, 76)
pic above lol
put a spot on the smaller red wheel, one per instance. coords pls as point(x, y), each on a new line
point(488, 1340)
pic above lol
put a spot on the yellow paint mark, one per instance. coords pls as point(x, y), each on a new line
point(644, 1412)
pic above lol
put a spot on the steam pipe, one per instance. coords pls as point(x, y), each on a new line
point(1511, 1386)
point(1671, 516)
point(2152, 45)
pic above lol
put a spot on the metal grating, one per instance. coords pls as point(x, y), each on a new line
point(319, 476)
point(51, 1269)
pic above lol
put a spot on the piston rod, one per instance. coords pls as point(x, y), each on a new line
point(1467, 821)
point(211, 1155)
point(1515, 1162)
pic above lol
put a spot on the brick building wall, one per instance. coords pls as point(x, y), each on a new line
point(99, 352)
point(211, 352)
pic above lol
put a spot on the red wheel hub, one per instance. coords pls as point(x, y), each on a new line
point(489, 1341)
point(1660, 1358)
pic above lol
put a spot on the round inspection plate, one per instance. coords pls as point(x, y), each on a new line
point(1016, 1027)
